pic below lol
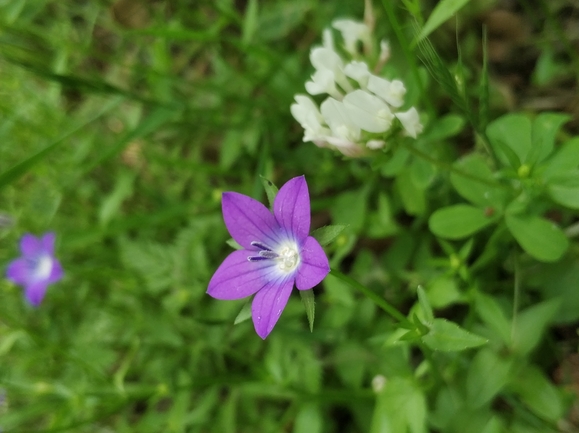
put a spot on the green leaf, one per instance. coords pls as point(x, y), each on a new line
point(458, 221)
point(443, 292)
point(413, 197)
point(449, 337)
point(309, 301)
point(564, 160)
point(478, 193)
point(531, 324)
point(249, 22)
point(327, 234)
point(244, 314)
point(539, 237)
point(444, 10)
point(565, 191)
point(445, 127)
point(270, 190)
point(487, 375)
point(510, 136)
point(493, 316)
point(425, 305)
point(309, 419)
point(545, 128)
point(538, 393)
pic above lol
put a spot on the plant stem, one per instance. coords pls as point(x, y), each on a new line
point(378, 300)
point(516, 294)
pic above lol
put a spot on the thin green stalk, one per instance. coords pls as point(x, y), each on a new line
point(516, 294)
point(449, 167)
point(378, 300)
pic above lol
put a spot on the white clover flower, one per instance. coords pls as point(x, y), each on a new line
point(375, 144)
point(323, 82)
point(391, 91)
point(410, 121)
point(352, 32)
point(358, 71)
point(368, 112)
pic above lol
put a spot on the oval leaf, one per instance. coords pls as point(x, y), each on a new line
point(459, 221)
point(540, 238)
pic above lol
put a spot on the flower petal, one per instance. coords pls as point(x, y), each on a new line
point(268, 304)
point(314, 265)
point(56, 273)
point(238, 278)
point(248, 220)
point(35, 292)
point(30, 245)
point(18, 271)
point(291, 208)
point(47, 242)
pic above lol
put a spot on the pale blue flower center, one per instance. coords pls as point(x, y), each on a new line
point(42, 267)
point(286, 255)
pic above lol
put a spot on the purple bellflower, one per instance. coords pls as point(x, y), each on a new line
point(36, 268)
point(277, 252)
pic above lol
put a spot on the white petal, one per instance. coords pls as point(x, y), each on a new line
point(384, 51)
point(305, 108)
point(352, 32)
point(368, 111)
point(328, 39)
point(358, 71)
point(322, 82)
point(410, 121)
point(391, 91)
point(325, 58)
point(375, 144)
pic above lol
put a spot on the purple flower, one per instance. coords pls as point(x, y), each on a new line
point(36, 268)
point(278, 252)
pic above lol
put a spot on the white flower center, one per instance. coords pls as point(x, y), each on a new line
point(43, 267)
point(286, 255)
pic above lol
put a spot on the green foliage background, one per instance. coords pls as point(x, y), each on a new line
point(122, 122)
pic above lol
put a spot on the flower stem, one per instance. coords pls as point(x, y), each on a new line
point(378, 300)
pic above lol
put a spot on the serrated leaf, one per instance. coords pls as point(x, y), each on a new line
point(308, 298)
point(458, 221)
point(449, 337)
point(327, 234)
point(270, 190)
point(244, 314)
point(540, 238)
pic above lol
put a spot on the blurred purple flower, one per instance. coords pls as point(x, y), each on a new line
point(36, 268)
point(278, 252)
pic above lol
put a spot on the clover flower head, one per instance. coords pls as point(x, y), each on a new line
point(360, 107)
point(36, 268)
point(277, 253)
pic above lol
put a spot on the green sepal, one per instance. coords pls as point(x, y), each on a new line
point(327, 234)
point(244, 314)
point(270, 190)
point(309, 301)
